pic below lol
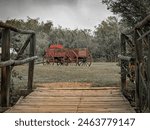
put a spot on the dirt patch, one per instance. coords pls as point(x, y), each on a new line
point(64, 85)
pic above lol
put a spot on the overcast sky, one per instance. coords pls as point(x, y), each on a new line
point(66, 13)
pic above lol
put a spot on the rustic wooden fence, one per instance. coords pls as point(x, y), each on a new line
point(6, 63)
point(135, 65)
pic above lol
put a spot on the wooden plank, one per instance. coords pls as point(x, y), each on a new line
point(82, 98)
point(93, 110)
point(60, 103)
point(48, 104)
point(5, 71)
point(72, 109)
point(69, 110)
point(74, 95)
point(51, 100)
point(76, 102)
point(76, 91)
point(75, 88)
point(61, 96)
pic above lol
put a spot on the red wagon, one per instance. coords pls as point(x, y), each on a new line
point(63, 56)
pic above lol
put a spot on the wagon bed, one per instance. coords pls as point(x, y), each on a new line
point(64, 56)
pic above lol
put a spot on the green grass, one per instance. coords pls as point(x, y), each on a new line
point(99, 74)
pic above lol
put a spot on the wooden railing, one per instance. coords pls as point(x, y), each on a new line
point(135, 49)
point(6, 64)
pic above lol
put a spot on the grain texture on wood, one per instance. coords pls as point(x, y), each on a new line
point(5, 71)
point(60, 100)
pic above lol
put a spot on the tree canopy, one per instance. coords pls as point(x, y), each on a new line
point(131, 11)
point(107, 37)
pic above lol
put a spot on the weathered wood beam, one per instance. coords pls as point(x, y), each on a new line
point(145, 41)
point(5, 71)
point(27, 60)
point(6, 26)
point(6, 63)
point(31, 63)
point(123, 72)
point(17, 62)
point(139, 60)
point(144, 22)
point(139, 25)
point(127, 58)
point(148, 73)
point(144, 35)
point(128, 40)
point(23, 47)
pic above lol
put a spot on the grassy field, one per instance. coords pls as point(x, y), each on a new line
point(99, 74)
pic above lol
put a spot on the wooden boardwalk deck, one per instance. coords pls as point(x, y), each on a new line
point(73, 99)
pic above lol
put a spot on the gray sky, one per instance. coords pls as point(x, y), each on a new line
point(66, 13)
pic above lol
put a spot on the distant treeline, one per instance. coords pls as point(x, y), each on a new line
point(103, 42)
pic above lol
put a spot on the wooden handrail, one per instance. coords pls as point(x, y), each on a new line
point(139, 25)
point(17, 62)
point(6, 63)
point(6, 26)
point(127, 58)
point(143, 22)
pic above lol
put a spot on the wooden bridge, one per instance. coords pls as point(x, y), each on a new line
point(55, 98)
point(81, 99)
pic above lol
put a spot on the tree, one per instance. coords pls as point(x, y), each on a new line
point(107, 36)
point(47, 26)
point(131, 11)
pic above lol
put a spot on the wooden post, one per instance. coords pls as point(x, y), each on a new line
point(148, 73)
point(140, 64)
point(5, 71)
point(123, 62)
point(138, 82)
point(31, 63)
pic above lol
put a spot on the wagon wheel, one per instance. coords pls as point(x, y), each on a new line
point(59, 61)
point(82, 62)
point(89, 60)
point(86, 61)
point(45, 61)
point(66, 62)
point(48, 60)
point(51, 60)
